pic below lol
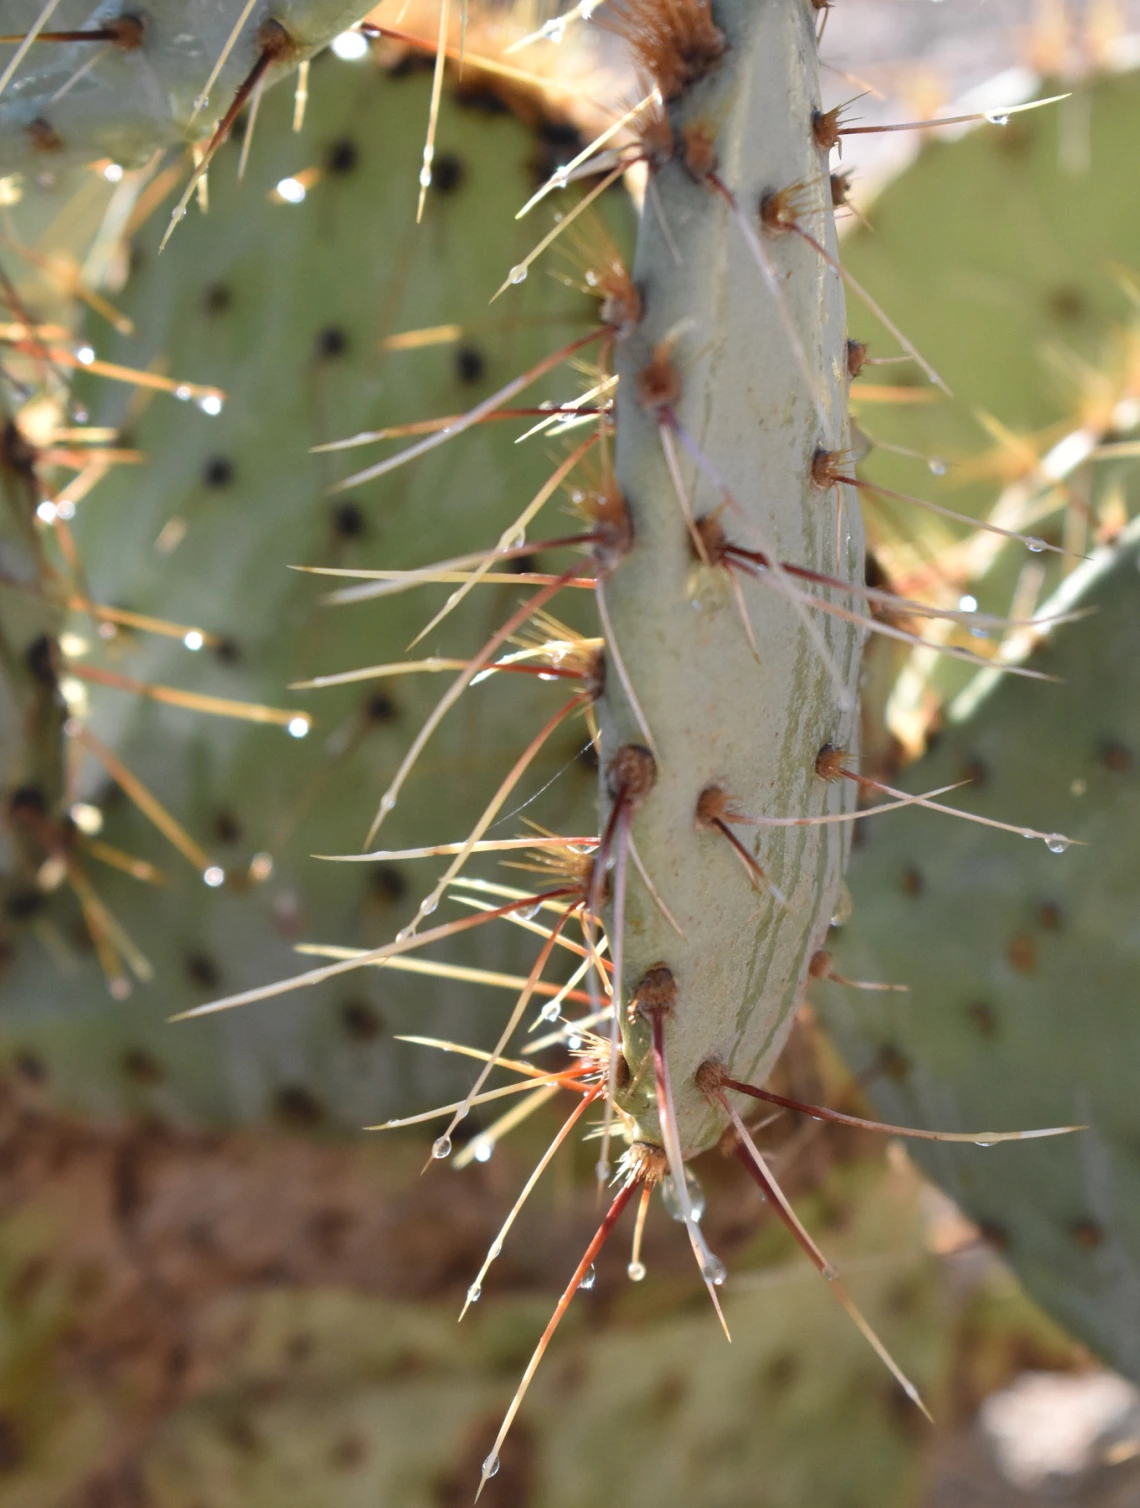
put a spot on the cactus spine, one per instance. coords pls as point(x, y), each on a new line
point(747, 422)
point(147, 79)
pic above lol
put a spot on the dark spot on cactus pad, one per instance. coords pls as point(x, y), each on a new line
point(1087, 1233)
point(1115, 756)
point(893, 1062)
point(1066, 303)
point(348, 520)
point(975, 771)
point(27, 801)
point(228, 650)
point(202, 970)
point(1022, 953)
point(31, 1068)
point(218, 472)
point(40, 657)
point(141, 1066)
point(45, 138)
point(361, 1021)
point(297, 1107)
point(447, 173)
point(329, 1229)
point(469, 364)
point(216, 299)
point(481, 100)
point(342, 156)
point(388, 884)
point(780, 1373)
point(1050, 917)
point(994, 1235)
point(331, 343)
point(911, 882)
point(983, 1018)
point(227, 828)
point(238, 1432)
point(11, 1447)
point(380, 708)
point(349, 1453)
point(409, 65)
point(23, 904)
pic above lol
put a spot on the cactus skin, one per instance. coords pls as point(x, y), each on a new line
point(245, 298)
point(717, 715)
point(1022, 965)
point(138, 99)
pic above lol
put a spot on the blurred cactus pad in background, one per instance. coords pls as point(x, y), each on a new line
point(215, 1291)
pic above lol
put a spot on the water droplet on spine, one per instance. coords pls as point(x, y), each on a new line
point(713, 1269)
point(589, 1278)
point(1057, 842)
point(636, 1271)
point(517, 274)
point(983, 1144)
point(937, 466)
point(1035, 545)
point(490, 1467)
point(474, 1293)
point(441, 1147)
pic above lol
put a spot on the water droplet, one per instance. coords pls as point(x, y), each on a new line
point(483, 1151)
point(937, 466)
point(1035, 545)
point(425, 177)
point(602, 1166)
point(201, 101)
point(555, 30)
point(844, 906)
point(673, 1204)
point(179, 213)
point(495, 1249)
point(589, 1278)
point(214, 876)
point(1057, 842)
point(528, 913)
point(549, 1011)
point(979, 633)
point(430, 906)
point(574, 1042)
point(474, 1293)
point(517, 274)
point(212, 404)
point(490, 1467)
point(183, 392)
point(983, 1144)
point(517, 541)
point(713, 1269)
point(636, 1271)
point(561, 178)
point(996, 118)
point(441, 1147)
point(967, 603)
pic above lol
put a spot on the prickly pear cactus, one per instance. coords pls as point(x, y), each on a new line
point(1021, 963)
point(718, 428)
point(143, 78)
point(286, 307)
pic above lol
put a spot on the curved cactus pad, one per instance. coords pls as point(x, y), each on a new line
point(1022, 964)
point(288, 299)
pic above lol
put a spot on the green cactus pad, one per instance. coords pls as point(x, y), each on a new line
point(1022, 963)
point(284, 306)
